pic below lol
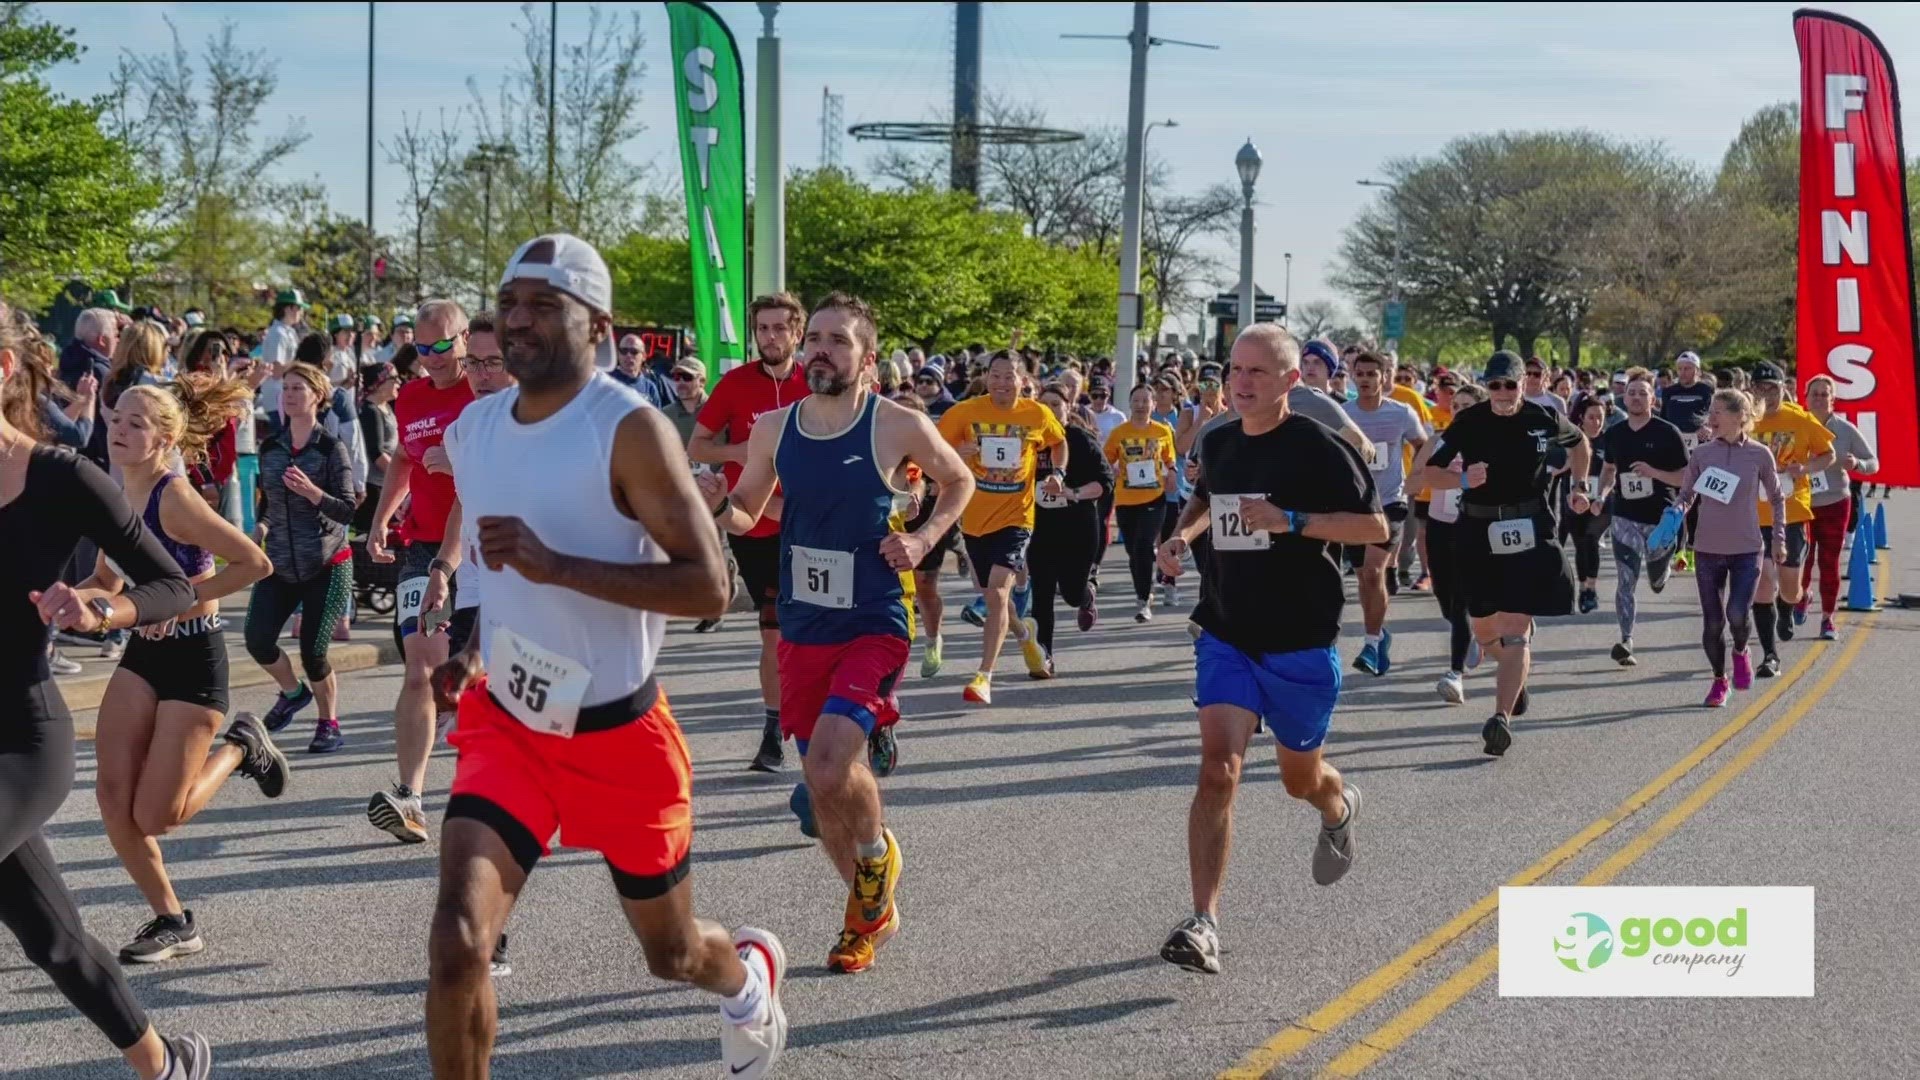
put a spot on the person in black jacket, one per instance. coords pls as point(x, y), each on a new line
point(306, 487)
point(1066, 530)
point(379, 384)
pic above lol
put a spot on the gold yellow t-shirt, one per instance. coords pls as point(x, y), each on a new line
point(1441, 418)
point(1141, 455)
point(1010, 441)
point(1794, 436)
point(1408, 396)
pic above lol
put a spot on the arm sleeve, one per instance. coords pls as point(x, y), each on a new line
point(1673, 452)
point(337, 485)
point(63, 430)
point(1167, 456)
point(1085, 465)
point(950, 426)
point(160, 590)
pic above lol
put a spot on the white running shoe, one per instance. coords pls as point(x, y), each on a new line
point(749, 1050)
point(1145, 614)
point(1453, 689)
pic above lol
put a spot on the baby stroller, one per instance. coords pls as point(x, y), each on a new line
point(374, 583)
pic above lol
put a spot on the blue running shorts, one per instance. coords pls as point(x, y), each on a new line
point(1294, 692)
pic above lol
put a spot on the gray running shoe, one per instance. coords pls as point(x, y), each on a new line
point(1194, 945)
point(1333, 856)
point(192, 1056)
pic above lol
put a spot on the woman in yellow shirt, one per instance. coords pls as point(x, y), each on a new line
point(1141, 451)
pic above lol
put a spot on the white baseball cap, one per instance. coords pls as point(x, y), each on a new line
point(566, 263)
point(1688, 357)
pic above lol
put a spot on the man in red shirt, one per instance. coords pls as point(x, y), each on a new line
point(742, 394)
point(424, 410)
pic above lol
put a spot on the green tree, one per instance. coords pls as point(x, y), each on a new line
point(70, 196)
point(652, 279)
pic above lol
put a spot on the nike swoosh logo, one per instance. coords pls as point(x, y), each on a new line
point(851, 460)
point(738, 1069)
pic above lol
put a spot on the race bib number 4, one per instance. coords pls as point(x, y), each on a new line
point(1000, 452)
point(1510, 537)
point(1635, 486)
point(1141, 474)
point(1717, 484)
point(822, 578)
point(542, 689)
point(1230, 529)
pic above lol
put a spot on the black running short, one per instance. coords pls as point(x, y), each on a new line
point(759, 560)
point(1002, 547)
point(188, 665)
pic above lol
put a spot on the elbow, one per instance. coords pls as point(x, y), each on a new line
point(1378, 530)
point(258, 565)
point(718, 595)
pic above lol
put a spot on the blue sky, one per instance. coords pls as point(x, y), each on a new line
point(1327, 91)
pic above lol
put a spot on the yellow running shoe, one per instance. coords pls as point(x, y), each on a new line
point(980, 690)
point(1030, 650)
point(871, 899)
point(854, 952)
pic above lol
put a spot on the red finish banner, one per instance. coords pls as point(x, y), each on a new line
point(1855, 301)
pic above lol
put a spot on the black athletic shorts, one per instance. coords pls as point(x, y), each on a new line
point(415, 561)
point(1796, 544)
point(1396, 520)
point(1003, 547)
point(759, 560)
point(460, 628)
point(188, 665)
point(1423, 511)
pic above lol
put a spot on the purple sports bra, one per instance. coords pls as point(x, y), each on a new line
point(194, 561)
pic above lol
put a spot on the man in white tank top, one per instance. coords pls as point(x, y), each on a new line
point(561, 725)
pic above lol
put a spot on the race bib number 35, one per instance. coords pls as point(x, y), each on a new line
point(822, 578)
point(1510, 537)
point(542, 689)
point(1717, 484)
point(1000, 452)
point(1230, 529)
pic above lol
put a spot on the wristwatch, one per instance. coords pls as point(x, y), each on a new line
point(102, 607)
point(441, 565)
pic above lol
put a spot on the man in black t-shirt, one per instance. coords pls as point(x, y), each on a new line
point(1511, 569)
point(1634, 450)
point(1274, 490)
point(1684, 405)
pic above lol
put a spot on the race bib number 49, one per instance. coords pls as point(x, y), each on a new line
point(542, 689)
point(1230, 529)
point(412, 594)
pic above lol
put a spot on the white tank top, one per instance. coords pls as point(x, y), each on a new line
point(555, 475)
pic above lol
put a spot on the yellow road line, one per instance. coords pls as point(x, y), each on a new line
point(1307, 1030)
point(1385, 1038)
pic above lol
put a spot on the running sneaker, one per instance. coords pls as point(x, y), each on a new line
point(1032, 653)
point(162, 939)
point(1827, 632)
point(1682, 562)
point(749, 1049)
point(1473, 655)
point(1194, 630)
point(1169, 592)
point(113, 648)
point(260, 761)
point(1386, 650)
point(1657, 576)
point(1333, 852)
point(1800, 613)
point(1783, 623)
point(326, 737)
point(285, 705)
point(1145, 612)
point(1194, 945)
point(499, 967)
point(1623, 654)
point(1717, 695)
point(883, 751)
point(770, 756)
point(1423, 583)
point(399, 812)
point(1453, 688)
point(1497, 735)
point(192, 1056)
point(1520, 704)
point(930, 660)
point(871, 916)
point(975, 614)
point(1368, 662)
point(1045, 674)
point(1089, 611)
point(60, 665)
point(979, 689)
point(801, 803)
point(1589, 600)
point(1769, 667)
point(854, 952)
point(1742, 670)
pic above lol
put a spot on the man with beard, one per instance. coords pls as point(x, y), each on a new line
point(563, 727)
point(737, 400)
point(841, 457)
point(1637, 452)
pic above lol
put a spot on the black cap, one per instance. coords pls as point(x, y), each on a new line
point(1504, 365)
point(1210, 370)
point(1765, 372)
point(1099, 383)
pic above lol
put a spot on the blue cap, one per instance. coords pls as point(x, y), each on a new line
point(1324, 353)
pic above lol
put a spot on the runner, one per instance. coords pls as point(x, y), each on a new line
point(1443, 562)
point(1585, 528)
point(1275, 489)
point(1802, 447)
point(1001, 435)
point(1728, 540)
point(1403, 390)
point(1637, 452)
point(1066, 527)
point(1445, 386)
point(424, 409)
point(1684, 404)
point(1511, 569)
point(1141, 454)
point(49, 501)
point(577, 737)
point(840, 456)
point(1832, 502)
point(1389, 425)
point(737, 400)
point(165, 702)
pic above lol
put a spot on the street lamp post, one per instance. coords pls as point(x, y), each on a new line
point(485, 159)
point(1247, 163)
point(1399, 231)
point(1286, 294)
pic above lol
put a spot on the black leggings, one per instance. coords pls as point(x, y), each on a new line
point(36, 772)
point(321, 599)
point(1444, 571)
point(1140, 526)
point(1058, 561)
point(1585, 530)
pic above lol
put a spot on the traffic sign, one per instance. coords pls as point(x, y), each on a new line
point(1394, 322)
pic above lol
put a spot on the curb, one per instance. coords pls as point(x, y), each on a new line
point(84, 693)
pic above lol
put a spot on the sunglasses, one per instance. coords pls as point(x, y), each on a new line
point(1209, 384)
point(683, 376)
point(629, 352)
point(444, 345)
point(1503, 384)
point(1096, 393)
point(926, 382)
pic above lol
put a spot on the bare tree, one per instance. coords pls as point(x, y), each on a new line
point(1174, 265)
point(430, 159)
point(1313, 318)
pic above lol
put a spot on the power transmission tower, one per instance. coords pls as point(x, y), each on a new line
point(831, 111)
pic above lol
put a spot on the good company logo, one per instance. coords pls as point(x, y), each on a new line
point(1656, 942)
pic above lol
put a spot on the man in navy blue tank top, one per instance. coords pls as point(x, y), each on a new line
point(839, 457)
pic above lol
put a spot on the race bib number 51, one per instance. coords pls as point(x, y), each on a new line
point(1230, 529)
point(542, 689)
point(822, 578)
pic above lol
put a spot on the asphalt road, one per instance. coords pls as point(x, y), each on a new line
point(1045, 860)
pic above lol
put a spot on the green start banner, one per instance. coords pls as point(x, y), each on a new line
point(710, 97)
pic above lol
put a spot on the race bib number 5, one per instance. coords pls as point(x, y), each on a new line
point(1717, 484)
point(822, 578)
point(1230, 529)
point(1000, 452)
point(542, 689)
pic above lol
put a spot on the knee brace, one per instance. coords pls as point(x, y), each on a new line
point(769, 616)
point(1522, 640)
